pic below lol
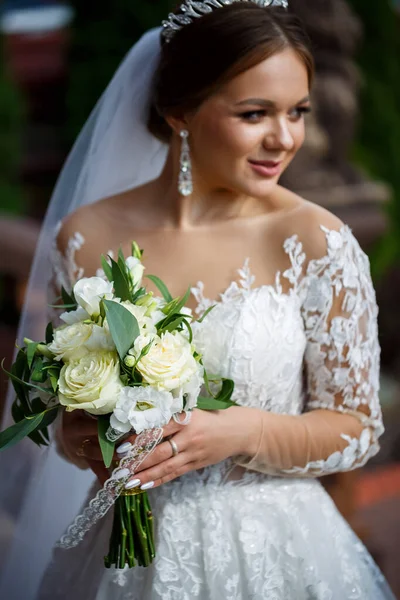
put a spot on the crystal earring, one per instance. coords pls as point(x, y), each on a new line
point(185, 184)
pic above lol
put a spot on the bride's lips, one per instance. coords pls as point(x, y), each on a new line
point(266, 168)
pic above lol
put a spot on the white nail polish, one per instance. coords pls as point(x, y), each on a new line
point(121, 473)
point(132, 484)
point(147, 486)
point(124, 448)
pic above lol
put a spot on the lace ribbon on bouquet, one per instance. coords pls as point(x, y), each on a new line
point(105, 498)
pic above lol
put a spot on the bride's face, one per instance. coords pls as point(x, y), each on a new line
point(243, 137)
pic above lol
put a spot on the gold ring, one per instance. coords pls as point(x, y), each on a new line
point(81, 449)
point(174, 447)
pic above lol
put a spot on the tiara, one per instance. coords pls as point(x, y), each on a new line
point(192, 9)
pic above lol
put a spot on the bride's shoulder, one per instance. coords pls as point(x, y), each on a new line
point(312, 225)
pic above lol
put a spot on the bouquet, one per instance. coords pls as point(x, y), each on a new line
point(127, 358)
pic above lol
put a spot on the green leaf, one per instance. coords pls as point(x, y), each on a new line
point(68, 299)
point(49, 416)
point(17, 412)
point(107, 447)
point(54, 380)
point(226, 391)
point(124, 327)
point(38, 406)
point(49, 333)
point(161, 287)
point(173, 325)
point(16, 375)
point(183, 301)
point(38, 375)
point(188, 327)
point(14, 434)
point(30, 352)
point(106, 268)
point(24, 383)
point(203, 316)
point(121, 284)
point(212, 404)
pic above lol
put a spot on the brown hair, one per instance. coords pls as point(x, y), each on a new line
point(215, 48)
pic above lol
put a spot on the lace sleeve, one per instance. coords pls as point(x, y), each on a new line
point(64, 270)
point(342, 420)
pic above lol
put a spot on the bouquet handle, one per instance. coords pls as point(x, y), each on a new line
point(114, 486)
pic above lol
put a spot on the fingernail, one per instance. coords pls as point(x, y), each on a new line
point(132, 484)
point(121, 473)
point(124, 448)
point(147, 486)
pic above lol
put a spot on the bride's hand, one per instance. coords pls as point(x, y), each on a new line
point(79, 441)
point(209, 438)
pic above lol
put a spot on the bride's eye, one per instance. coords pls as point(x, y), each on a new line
point(253, 116)
point(297, 113)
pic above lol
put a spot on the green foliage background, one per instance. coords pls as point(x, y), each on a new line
point(11, 111)
point(378, 141)
point(103, 32)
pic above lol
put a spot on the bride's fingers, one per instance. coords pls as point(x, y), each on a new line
point(158, 474)
point(173, 427)
point(169, 429)
point(162, 453)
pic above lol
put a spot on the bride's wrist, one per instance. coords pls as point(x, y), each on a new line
point(247, 428)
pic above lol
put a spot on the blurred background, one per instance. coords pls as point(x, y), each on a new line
point(55, 60)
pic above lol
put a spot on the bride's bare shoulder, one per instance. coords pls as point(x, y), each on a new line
point(306, 220)
point(104, 220)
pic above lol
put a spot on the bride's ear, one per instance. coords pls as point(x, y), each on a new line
point(177, 122)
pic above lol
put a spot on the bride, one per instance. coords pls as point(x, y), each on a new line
point(183, 154)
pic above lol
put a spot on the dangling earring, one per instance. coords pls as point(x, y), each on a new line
point(185, 184)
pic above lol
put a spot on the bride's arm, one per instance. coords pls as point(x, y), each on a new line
point(342, 421)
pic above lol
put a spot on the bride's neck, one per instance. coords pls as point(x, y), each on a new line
point(206, 205)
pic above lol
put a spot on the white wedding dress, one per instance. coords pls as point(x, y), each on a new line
point(231, 533)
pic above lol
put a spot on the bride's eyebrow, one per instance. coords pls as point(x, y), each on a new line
point(267, 103)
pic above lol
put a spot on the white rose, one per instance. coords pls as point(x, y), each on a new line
point(100, 339)
point(91, 383)
point(169, 364)
point(136, 270)
point(74, 341)
point(69, 341)
point(75, 316)
point(89, 291)
point(141, 408)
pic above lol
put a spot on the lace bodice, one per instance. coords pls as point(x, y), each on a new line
point(312, 347)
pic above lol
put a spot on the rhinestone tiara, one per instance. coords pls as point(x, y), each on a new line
point(193, 9)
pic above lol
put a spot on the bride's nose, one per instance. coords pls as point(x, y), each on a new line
point(279, 136)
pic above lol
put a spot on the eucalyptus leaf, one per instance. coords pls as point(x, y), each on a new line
point(205, 403)
point(161, 287)
point(226, 391)
point(31, 351)
point(121, 284)
point(173, 325)
point(68, 299)
point(14, 434)
point(106, 268)
point(49, 333)
point(38, 375)
point(123, 325)
point(107, 447)
point(182, 301)
point(17, 380)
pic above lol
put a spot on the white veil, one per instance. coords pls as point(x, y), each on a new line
point(40, 493)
